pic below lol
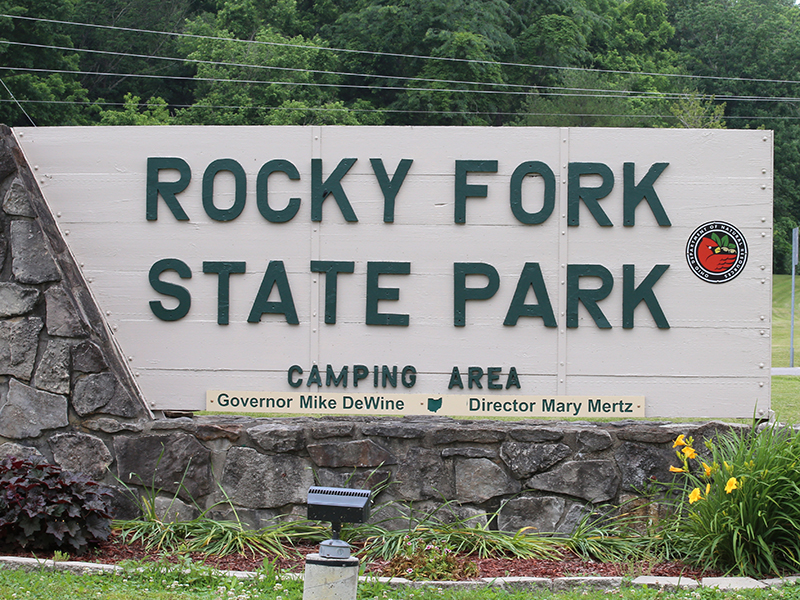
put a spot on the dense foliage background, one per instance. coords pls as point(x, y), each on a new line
point(613, 63)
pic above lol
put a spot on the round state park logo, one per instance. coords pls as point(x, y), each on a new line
point(716, 252)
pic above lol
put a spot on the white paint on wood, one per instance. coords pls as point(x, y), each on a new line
point(714, 361)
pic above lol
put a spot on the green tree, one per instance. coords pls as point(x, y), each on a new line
point(40, 79)
point(154, 112)
point(466, 30)
point(263, 82)
point(126, 53)
point(751, 49)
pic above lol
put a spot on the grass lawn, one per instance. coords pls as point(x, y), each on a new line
point(785, 390)
point(46, 585)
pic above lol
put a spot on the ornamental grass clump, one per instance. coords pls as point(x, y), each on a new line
point(739, 501)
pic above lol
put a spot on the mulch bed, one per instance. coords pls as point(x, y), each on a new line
point(114, 551)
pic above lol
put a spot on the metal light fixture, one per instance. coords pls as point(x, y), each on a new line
point(337, 505)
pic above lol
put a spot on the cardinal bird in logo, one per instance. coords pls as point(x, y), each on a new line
point(716, 254)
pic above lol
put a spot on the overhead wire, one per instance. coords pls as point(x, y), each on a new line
point(400, 55)
point(603, 93)
point(539, 91)
point(13, 99)
point(524, 90)
point(312, 109)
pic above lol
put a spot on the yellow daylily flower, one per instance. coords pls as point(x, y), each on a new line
point(679, 441)
point(707, 469)
point(731, 485)
point(689, 452)
point(694, 496)
point(708, 488)
point(676, 469)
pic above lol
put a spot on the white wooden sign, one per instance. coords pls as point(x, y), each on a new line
point(479, 267)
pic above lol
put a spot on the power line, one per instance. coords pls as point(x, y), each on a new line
point(269, 67)
point(17, 103)
point(528, 88)
point(605, 94)
point(346, 109)
point(384, 110)
point(399, 55)
point(622, 93)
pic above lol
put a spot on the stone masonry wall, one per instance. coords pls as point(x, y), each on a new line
point(67, 394)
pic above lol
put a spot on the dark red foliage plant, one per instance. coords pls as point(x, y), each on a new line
point(45, 507)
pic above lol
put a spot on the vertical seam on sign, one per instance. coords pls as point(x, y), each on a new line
point(563, 254)
point(316, 229)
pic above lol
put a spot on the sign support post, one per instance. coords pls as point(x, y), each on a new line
point(794, 273)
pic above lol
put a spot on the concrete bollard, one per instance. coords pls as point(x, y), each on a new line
point(330, 578)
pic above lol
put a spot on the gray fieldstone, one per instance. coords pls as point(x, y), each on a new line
point(88, 358)
point(470, 452)
point(255, 480)
point(31, 261)
point(592, 480)
point(17, 299)
point(227, 431)
point(19, 341)
point(328, 429)
point(641, 464)
point(274, 437)
point(7, 163)
point(593, 441)
point(362, 480)
point(777, 582)
point(171, 510)
point(81, 453)
point(470, 434)
point(3, 251)
point(470, 516)
point(125, 503)
point(25, 412)
point(523, 583)
point(12, 449)
point(108, 425)
point(574, 515)
point(423, 474)
point(102, 393)
point(732, 583)
point(163, 461)
point(649, 434)
point(707, 431)
point(63, 318)
point(539, 514)
point(669, 583)
point(563, 584)
point(393, 430)
point(525, 459)
point(479, 479)
point(182, 423)
point(249, 517)
point(52, 373)
point(358, 453)
point(535, 434)
point(16, 202)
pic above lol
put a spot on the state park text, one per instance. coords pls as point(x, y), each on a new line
point(471, 281)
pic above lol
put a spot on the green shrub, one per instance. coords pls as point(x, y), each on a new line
point(44, 507)
point(739, 502)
